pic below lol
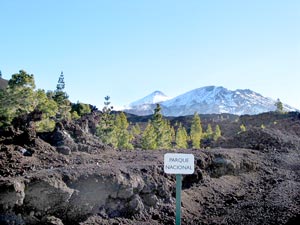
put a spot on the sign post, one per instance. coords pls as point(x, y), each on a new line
point(178, 163)
point(178, 198)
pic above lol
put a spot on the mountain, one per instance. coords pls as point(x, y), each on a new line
point(153, 98)
point(3, 83)
point(210, 100)
point(146, 105)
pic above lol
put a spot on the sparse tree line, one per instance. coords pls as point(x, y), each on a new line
point(158, 133)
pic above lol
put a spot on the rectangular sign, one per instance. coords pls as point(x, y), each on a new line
point(178, 163)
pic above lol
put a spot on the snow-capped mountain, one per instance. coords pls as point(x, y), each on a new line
point(146, 105)
point(209, 100)
point(153, 98)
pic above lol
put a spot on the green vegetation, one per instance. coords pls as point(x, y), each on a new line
point(243, 128)
point(217, 134)
point(20, 98)
point(279, 106)
point(196, 131)
point(62, 100)
point(135, 130)
point(209, 132)
point(105, 128)
point(163, 132)
point(79, 109)
point(149, 137)
point(122, 134)
point(181, 138)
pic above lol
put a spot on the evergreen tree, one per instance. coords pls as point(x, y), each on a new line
point(149, 137)
point(0, 74)
point(122, 134)
point(217, 133)
point(181, 138)
point(49, 109)
point(196, 131)
point(61, 83)
point(136, 130)
point(18, 98)
point(279, 106)
point(80, 109)
point(209, 132)
point(106, 128)
point(62, 99)
point(162, 129)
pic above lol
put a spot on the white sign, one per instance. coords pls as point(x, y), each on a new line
point(178, 163)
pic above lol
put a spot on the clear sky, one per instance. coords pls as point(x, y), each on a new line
point(129, 48)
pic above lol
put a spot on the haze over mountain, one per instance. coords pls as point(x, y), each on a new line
point(207, 100)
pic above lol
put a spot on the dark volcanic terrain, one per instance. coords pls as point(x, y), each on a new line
point(68, 177)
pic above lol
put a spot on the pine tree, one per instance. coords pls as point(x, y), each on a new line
point(149, 137)
point(122, 134)
point(136, 130)
point(209, 132)
point(62, 99)
point(49, 109)
point(279, 106)
point(0, 74)
point(106, 127)
point(181, 138)
point(80, 109)
point(18, 98)
point(196, 131)
point(217, 134)
point(61, 83)
point(162, 129)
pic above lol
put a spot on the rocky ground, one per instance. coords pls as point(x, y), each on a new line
point(68, 177)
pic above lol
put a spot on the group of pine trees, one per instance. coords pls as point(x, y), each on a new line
point(20, 98)
point(158, 133)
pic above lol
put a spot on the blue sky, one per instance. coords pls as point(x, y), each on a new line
point(128, 49)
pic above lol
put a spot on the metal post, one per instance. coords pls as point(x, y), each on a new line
point(178, 198)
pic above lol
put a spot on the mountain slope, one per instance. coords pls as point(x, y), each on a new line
point(212, 99)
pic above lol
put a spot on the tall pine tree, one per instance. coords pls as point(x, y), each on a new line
point(162, 129)
point(106, 127)
point(209, 132)
point(62, 100)
point(149, 137)
point(217, 134)
point(181, 138)
point(196, 131)
point(122, 134)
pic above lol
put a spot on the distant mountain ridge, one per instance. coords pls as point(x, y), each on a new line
point(207, 100)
